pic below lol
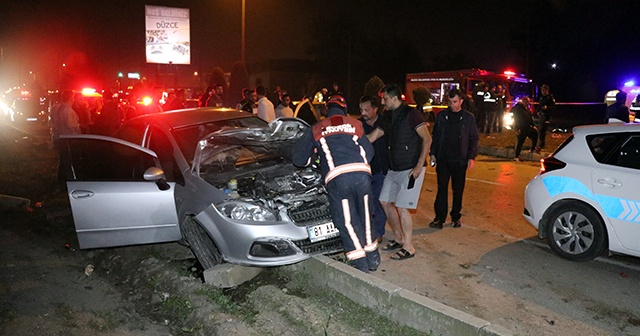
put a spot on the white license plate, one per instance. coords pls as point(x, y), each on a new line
point(322, 232)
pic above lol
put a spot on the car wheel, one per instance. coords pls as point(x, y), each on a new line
point(575, 232)
point(200, 243)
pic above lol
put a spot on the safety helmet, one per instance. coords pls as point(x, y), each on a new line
point(337, 100)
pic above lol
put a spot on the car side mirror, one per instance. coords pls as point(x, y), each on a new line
point(156, 174)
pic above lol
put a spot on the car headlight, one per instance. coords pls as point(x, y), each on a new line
point(243, 211)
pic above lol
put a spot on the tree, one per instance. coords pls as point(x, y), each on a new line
point(373, 86)
point(421, 95)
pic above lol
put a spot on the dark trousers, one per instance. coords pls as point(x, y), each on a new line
point(456, 173)
point(530, 133)
point(379, 217)
point(542, 132)
point(480, 118)
point(490, 120)
point(349, 201)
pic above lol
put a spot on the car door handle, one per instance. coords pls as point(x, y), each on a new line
point(81, 194)
point(611, 183)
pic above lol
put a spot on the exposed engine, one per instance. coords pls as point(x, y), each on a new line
point(292, 192)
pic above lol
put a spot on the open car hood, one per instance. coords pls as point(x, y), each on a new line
point(275, 140)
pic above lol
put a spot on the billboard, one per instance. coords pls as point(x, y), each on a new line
point(167, 35)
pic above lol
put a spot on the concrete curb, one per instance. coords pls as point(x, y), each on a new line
point(394, 302)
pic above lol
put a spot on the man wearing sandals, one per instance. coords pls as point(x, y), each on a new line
point(409, 141)
point(345, 153)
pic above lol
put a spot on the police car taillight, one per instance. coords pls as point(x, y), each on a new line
point(550, 164)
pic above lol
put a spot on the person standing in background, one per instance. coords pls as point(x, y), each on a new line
point(265, 107)
point(546, 108)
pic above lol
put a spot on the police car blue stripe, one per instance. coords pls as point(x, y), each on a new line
point(613, 207)
point(560, 184)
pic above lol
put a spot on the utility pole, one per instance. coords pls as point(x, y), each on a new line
point(242, 56)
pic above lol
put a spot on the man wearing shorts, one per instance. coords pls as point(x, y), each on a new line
point(409, 141)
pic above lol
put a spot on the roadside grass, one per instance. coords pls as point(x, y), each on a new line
point(228, 304)
point(176, 308)
point(67, 315)
point(339, 306)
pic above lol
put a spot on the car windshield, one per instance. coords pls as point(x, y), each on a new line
point(188, 137)
point(234, 151)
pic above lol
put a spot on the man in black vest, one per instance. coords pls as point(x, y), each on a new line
point(409, 141)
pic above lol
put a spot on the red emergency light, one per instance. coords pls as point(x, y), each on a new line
point(88, 91)
point(509, 73)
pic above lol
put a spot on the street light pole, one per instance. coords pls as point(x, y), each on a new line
point(242, 56)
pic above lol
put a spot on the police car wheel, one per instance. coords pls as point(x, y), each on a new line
point(575, 232)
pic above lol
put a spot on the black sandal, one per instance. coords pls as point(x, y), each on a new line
point(402, 255)
point(393, 245)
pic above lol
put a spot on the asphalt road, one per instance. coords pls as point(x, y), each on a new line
point(496, 268)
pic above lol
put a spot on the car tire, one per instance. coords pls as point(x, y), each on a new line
point(201, 244)
point(575, 232)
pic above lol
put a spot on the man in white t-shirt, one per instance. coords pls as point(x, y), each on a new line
point(284, 108)
point(265, 107)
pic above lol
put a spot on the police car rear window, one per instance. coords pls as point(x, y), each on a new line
point(603, 145)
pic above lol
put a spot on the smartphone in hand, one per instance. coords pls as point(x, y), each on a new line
point(412, 181)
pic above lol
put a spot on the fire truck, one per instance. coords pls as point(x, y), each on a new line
point(441, 82)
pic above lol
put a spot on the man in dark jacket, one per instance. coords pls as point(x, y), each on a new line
point(372, 120)
point(344, 153)
point(524, 127)
point(618, 110)
point(454, 149)
point(546, 107)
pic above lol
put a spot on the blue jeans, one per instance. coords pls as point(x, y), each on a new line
point(379, 217)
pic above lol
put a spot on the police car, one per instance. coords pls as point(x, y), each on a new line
point(586, 198)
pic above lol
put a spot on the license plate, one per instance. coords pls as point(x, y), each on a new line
point(322, 232)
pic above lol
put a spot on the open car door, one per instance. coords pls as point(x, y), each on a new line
point(118, 196)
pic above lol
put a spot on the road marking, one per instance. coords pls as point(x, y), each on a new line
point(476, 180)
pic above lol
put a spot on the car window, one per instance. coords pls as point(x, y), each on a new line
point(133, 133)
point(629, 153)
point(98, 160)
point(160, 144)
point(602, 146)
point(188, 137)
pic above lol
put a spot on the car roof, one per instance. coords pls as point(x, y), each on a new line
point(608, 128)
point(190, 116)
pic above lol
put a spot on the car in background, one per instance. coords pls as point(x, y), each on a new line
point(29, 110)
point(586, 197)
point(217, 179)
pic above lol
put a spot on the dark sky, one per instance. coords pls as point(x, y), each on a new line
point(592, 42)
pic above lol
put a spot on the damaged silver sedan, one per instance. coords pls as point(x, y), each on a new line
point(218, 180)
